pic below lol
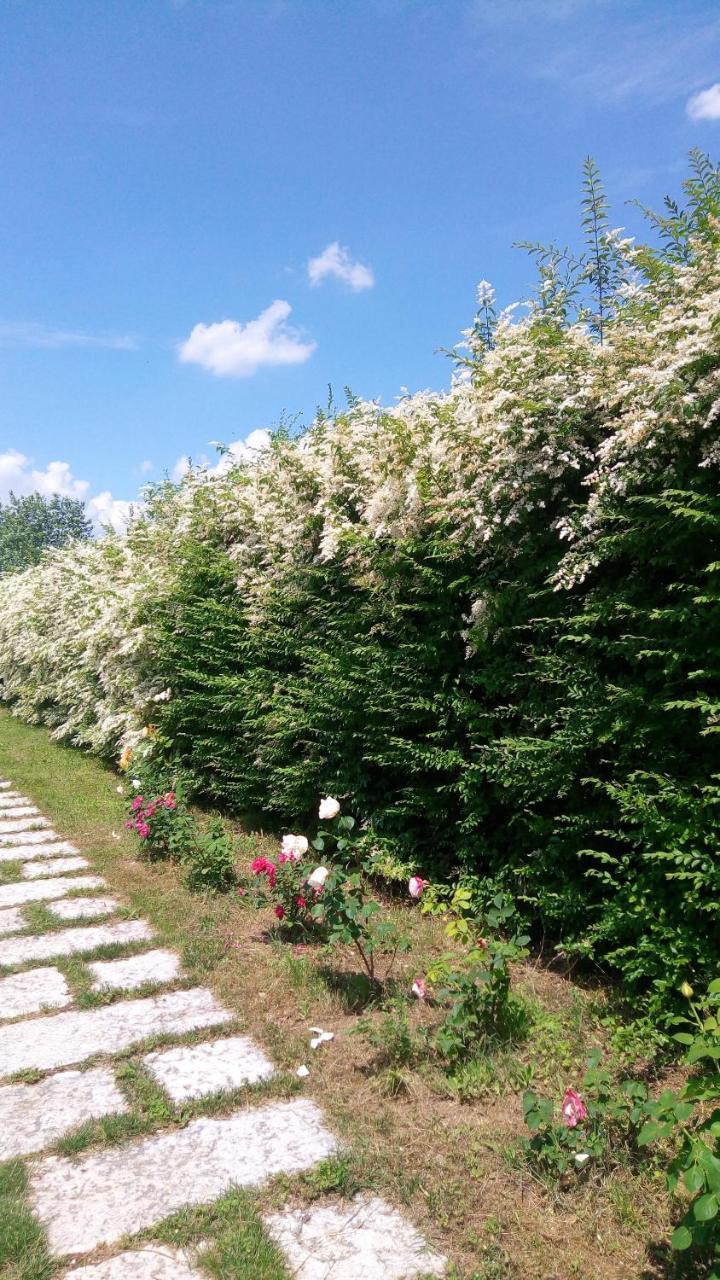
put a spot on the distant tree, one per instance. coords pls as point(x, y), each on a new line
point(30, 524)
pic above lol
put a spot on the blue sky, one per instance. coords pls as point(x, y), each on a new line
point(171, 169)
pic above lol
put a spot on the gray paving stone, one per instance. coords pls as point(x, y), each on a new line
point(196, 1070)
point(98, 1198)
point(12, 826)
point(363, 1239)
point(152, 1262)
point(29, 837)
point(123, 975)
point(53, 867)
point(15, 809)
point(30, 992)
point(82, 908)
point(33, 1116)
point(14, 895)
point(11, 921)
point(71, 942)
point(65, 1039)
point(22, 852)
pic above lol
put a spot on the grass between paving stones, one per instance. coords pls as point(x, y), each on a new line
point(443, 1147)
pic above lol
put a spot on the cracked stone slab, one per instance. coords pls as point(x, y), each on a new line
point(33, 1116)
point(123, 975)
point(12, 826)
point(153, 1262)
point(13, 895)
point(53, 867)
point(11, 921)
point(29, 837)
point(64, 1039)
point(364, 1237)
point(196, 1070)
point(71, 942)
point(81, 908)
point(102, 1196)
point(21, 852)
point(30, 992)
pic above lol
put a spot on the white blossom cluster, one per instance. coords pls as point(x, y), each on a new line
point(549, 430)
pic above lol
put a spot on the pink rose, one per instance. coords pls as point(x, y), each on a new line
point(143, 830)
point(416, 885)
point(170, 800)
point(419, 988)
point(573, 1108)
point(137, 803)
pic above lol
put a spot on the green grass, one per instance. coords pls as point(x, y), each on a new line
point(23, 1251)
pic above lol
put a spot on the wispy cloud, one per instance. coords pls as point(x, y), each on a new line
point(230, 349)
point(705, 105)
point(19, 476)
point(41, 336)
point(336, 261)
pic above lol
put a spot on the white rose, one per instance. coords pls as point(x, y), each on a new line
point(318, 877)
point(329, 807)
point(294, 846)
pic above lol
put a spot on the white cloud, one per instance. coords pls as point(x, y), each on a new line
point(104, 510)
point(705, 105)
point(336, 261)
point(238, 451)
point(18, 475)
point(233, 350)
point(40, 336)
point(147, 466)
point(181, 468)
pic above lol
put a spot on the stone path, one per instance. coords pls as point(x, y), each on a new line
point(90, 1203)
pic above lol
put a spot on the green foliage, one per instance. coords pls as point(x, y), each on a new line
point(351, 916)
point(474, 986)
point(689, 1120)
point(30, 524)
point(596, 1126)
point(210, 860)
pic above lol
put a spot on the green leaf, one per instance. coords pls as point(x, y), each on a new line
point(706, 1207)
point(694, 1180)
point(681, 1238)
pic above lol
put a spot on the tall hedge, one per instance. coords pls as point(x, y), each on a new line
point(487, 617)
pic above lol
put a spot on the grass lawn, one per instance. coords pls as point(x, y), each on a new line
point(443, 1147)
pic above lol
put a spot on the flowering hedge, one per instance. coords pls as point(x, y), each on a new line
point(490, 616)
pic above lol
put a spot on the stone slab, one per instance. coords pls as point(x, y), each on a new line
point(30, 992)
point(33, 1116)
point(197, 1070)
point(11, 921)
point(364, 1237)
point(29, 837)
point(53, 867)
point(99, 1198)
point(71, 942)
point(153, 1262)
point(64, 1039)
point(123, 975)
point(82, 908)
point(15, 809)
point(14, 895)
point(21, 852)
point(12, 826)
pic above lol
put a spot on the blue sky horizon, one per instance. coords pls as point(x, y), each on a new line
point(213, 209)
